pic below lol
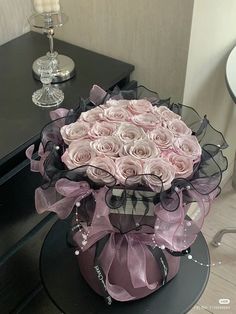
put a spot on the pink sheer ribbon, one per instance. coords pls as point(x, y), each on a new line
point(137, 252)
point(171, 229)
point(37, 165)
point(97, 95)
point(61, 199)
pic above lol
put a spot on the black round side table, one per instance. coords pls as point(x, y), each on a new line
point(70, 293)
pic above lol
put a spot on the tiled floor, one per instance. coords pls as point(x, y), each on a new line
point(222, 282)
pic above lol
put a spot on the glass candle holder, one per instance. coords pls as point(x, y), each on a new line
point(48, 96)
point(47, 22)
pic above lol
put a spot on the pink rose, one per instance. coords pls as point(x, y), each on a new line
point(178, 127)
point(116, 114)
point(142, 149)
point(79, 153)
point(166, 113)
point(128, 132)
point(148, 121)
point(75, 131)
point(183, 165)
point(104, 172)
point(109, 146)
point(164, 174)
point(162, 137)
point(92, 115)
point(102, 128)
point(140, 106)
point(121, 103)
point(188, 146)
point(128, 167)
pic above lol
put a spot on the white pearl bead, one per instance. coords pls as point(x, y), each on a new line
point(162, 247)
point(77, 204)
point(77, 252)
point(190, 257)
point(84, 242)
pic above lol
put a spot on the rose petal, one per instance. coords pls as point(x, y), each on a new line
point(75, 131)
point(79, 153)
point(142, 149)
point(128, 132)
point(128, 167)
point(109, 146)
point(163, 174)
point(104, 172)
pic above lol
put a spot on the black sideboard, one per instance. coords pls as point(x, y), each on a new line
point(22, 231)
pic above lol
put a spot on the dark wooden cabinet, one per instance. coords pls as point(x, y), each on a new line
point(22, 230)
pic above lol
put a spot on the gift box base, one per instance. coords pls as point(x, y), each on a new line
point(119, 274)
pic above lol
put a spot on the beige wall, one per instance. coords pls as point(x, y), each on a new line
point(151, 34)
point(13, 18)
point(212, 37)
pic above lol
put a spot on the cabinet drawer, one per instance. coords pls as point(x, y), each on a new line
point(19, 274)
point(17, 209)
point(22, 232)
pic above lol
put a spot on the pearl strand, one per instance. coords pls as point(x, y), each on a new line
point(189, 256)
point(83, 234)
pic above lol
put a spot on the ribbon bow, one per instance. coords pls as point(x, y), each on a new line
point(131, 253)
point(133, 247)
point(61, 199)
point(172, 229)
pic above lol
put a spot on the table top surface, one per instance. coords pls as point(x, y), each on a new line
point(231, 74)
point(70, 293)
point(21, 120)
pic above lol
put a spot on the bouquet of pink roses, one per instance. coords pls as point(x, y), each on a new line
point(129, 168)
point(129, 138)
